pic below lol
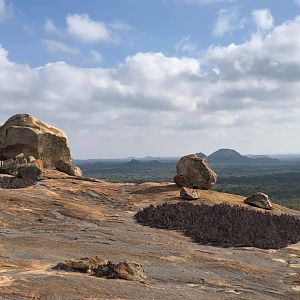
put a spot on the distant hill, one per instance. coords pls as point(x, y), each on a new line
point(228, 156)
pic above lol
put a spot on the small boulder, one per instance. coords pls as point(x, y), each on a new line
point(100, 267)
point(82, 265)
point(30, 171)
point(259, 200)
point(131, 271)
point(194, 172)
point(189, 194)
point(68, 168)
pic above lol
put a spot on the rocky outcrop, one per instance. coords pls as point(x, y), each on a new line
point(24, 138)
point(23, 133)
point(68, 168)
point(103, 268)
point(189, 194)
point(259, 200)
point(194, 172)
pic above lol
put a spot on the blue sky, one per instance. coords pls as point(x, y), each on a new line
point(155, 26)
point(159, 77)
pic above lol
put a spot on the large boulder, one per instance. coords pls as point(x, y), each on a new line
point(194, 172)
point(23, 133)
point(259, 200)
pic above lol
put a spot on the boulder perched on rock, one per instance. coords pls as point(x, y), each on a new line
point(189, 194)
point(23, 133)
point(68, 168)
point(260, 200)
point(194, 172)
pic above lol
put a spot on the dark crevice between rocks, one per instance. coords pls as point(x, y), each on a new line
point(223, 225)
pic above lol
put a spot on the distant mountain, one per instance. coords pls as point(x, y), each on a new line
point(201, 155)
point(228, 156)
point(134, 162)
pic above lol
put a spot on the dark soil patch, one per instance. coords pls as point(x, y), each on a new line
point(15, 183)
point(223, 225)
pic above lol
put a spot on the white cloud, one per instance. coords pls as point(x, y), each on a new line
point(83, 28)
point(263, 19)
point(228, 21)
point(50, 26)
point(186, 46)
point(297, 2)
point(95, 56)
point(56, 46)
point(241, 95)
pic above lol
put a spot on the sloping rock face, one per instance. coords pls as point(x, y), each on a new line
point(65, 218)
point(194, 172)
point(189, 194)
point(260, 200)
point(23, 133)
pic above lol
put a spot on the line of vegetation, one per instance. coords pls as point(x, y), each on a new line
point(223, 225)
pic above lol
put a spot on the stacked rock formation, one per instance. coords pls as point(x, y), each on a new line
point(28, 144)
point(194, 172)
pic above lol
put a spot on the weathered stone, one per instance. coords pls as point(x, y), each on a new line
point(75, 265)
point(23, 133)
point(181, 180)
point(30, 171)
point(260, 200)
point(195, 172)
point(131, 271)
point(83, 265)
point(104, 268)
point(31, 159)
point(68, 168)
point(189, 194)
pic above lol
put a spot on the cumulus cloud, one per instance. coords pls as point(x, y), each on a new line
point(82, 27)
point(263, 19)
point(240, 95)
point(228, 21)
point(59, 47)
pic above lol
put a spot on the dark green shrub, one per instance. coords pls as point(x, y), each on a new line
point(223, 225)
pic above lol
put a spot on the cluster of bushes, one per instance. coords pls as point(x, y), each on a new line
point(15, 183)
point(223, 225)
